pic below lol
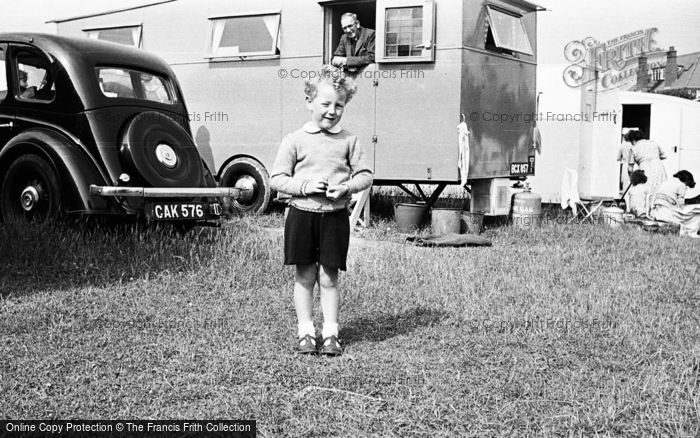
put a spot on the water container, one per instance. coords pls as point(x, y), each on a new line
point(445, 220)
point(472, 223)
point(527, 209)
point(613, 216)
point(409, 217)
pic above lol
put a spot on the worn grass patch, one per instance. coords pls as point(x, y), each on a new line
point(565, 331)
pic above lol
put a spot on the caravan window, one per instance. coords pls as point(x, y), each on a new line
point(128, 35)
point(248, 35)
point(405, 30)
point(506, 31)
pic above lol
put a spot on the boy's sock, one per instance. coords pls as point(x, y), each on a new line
point(329, 329)
point(306, 328)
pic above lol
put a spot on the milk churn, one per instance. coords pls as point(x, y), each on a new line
point(527, 209)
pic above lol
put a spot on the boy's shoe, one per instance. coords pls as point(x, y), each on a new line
point(331, 346)
point(306, 345)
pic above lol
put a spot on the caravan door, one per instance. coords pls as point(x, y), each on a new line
point(360, 114)
point(418, 93)
point(601, 130)
point(665, 129)
point(689, 146)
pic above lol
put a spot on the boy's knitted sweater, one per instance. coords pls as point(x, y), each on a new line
point(311, 152)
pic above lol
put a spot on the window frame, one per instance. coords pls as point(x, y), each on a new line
point(215, 51)
point(504, 48)
point(137, 86)
point(40, 54)
point(90, 31)
point(4, 73)
point(428, 37)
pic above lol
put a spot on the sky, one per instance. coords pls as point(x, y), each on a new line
point(677, 22)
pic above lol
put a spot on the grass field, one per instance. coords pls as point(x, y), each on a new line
point(567, 330)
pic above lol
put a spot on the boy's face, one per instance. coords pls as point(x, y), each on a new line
point(327, 107)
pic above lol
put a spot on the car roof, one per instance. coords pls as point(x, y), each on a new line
point(79, 56)
point(88, 51)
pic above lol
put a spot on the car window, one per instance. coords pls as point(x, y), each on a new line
point(34, 77)
point(3, 75)
point(132, 84)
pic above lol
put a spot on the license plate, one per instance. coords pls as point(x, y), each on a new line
point(186, 211)
point(519, 169)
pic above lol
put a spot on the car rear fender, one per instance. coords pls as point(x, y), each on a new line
point(76, 169)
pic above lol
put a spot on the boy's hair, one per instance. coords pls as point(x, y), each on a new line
point(334, 77)
point(638, 177)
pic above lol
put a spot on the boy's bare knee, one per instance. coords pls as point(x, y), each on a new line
point(327, 277)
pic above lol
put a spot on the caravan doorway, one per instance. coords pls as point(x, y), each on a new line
point(637, 117)
point(633, 117)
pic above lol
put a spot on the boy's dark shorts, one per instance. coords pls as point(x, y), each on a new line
point(317, 237)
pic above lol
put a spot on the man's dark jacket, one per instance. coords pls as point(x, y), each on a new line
point(360, 53)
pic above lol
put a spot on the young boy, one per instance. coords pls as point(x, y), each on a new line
point(637, 194)
point(320, 166)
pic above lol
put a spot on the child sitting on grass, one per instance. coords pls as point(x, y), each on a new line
point(637, 194)
point(320, 166)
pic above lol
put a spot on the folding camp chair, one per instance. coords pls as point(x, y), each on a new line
point(360, 208)
point(570, 198)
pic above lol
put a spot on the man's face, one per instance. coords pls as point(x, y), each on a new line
point(350, 26)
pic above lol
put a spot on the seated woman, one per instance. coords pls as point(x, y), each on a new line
point(637, 194)
point(669, 204)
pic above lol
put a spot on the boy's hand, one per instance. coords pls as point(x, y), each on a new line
point(316, 186)
point(336, 192)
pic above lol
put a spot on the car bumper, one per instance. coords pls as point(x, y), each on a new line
point(172, 204)
point(171, 192)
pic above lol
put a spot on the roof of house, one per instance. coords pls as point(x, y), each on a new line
point(688, 74)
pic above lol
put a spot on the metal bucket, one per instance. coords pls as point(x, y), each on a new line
point(445, 220)
point(409, 217)
point(472, 223)
point(613, 216)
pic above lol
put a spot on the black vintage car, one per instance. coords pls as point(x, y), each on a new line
point(91, 127)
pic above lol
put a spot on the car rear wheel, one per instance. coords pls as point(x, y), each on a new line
point(247, 173)
point(30, 190)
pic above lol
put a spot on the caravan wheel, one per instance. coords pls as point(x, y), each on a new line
point(247, 173)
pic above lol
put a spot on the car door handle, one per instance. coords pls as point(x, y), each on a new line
point(7, 125)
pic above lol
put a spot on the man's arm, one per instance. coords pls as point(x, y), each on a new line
point(340, 55)
point(340, 50)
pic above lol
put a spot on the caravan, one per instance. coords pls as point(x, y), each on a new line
point(438, 63)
